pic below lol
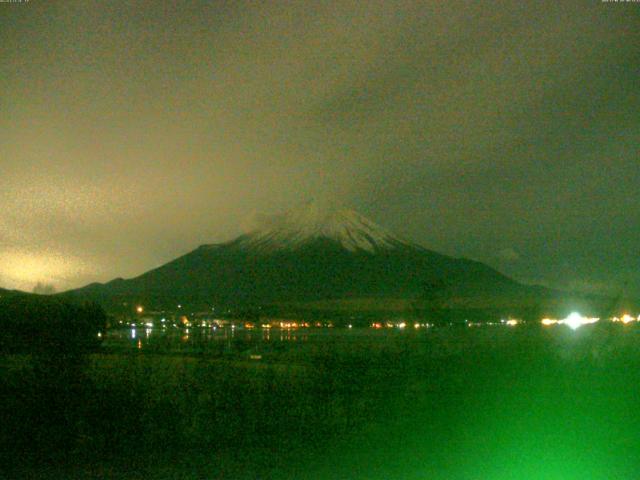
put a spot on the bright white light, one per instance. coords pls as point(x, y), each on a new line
point(549, 321)
point(512, 322)
point(402, 325)
point(575, 321)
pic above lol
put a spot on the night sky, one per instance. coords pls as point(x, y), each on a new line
point(506, 132)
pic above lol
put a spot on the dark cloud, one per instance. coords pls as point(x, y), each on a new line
point(133, 132)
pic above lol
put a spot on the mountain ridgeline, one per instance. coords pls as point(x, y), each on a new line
point(318, 259)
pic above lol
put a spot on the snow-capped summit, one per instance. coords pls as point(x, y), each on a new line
point(315, 221)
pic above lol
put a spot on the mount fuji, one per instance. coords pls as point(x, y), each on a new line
point(319, 258)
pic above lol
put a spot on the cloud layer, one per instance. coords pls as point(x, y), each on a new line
point(133, 132)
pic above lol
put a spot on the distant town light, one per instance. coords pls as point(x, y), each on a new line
point(512, 322)
point(139, 309)
point(626, 318)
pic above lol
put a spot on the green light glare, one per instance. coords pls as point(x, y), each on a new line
point(527, 413)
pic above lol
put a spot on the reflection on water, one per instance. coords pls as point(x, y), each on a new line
point(220, 339)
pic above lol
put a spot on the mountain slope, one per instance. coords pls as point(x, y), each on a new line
point(312, 255)
point(11, 293)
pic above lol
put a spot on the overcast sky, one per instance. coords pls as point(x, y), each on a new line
point(507, 132)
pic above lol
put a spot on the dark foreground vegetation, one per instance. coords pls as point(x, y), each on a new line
point(450, 403)
point(41, 325)
point(44, 345)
